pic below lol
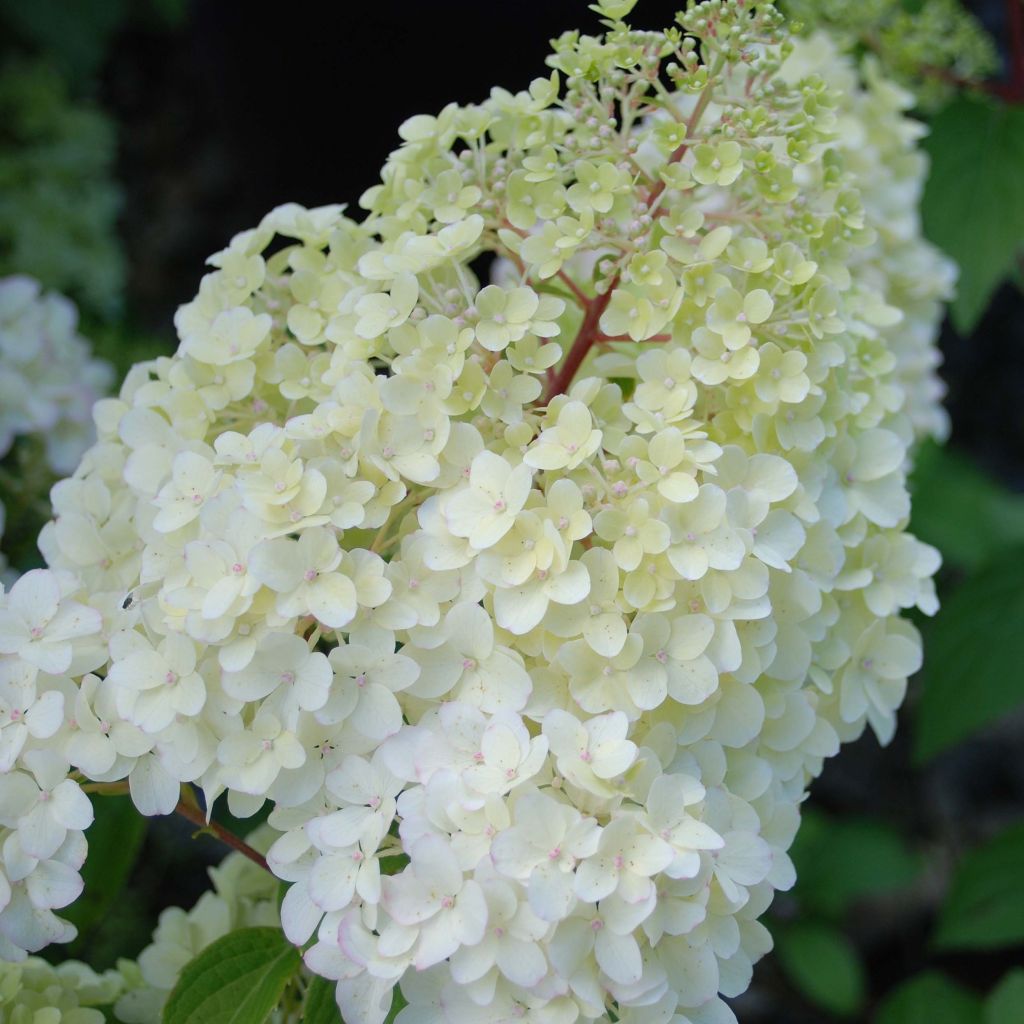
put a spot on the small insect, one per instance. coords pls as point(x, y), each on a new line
point(128, 601)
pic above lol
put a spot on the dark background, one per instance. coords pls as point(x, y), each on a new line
point(238, 107)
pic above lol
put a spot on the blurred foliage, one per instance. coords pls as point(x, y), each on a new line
point(984, 908)
point(58, 201)
point(824, 965)
point(973, 204)
point(930, 998)
point(115, 840)
point(78, 35)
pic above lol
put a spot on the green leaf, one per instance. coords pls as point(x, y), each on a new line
point(839, 862)
point(115, 838)
point(965, 513)
point(1006, 1001)
point(236, 980)
point(319, 1006)
point(985, 905)
point(398, 1003)
point(973, 203)
point(823, 964)
point(930, 998)
point(974, 649)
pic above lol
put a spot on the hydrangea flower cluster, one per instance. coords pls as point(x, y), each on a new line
point(532, 606)
point(48, 378)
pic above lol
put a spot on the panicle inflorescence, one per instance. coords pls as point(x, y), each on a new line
point(528, 544)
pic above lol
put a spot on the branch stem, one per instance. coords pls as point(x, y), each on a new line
point(590, 333)
point(190, 810)
point(188, 807)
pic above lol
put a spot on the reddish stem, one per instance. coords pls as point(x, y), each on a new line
point(193, 813)
point(581, 297)
point(585, 338)
point(589, 332)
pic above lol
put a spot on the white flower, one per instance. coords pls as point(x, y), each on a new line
point(433, 896)
point(40, 625)
point(484, 511)
point(542, 848)
point(302, 574)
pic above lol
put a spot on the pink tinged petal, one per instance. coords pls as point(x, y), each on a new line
point(571, 586)
point(693, 969)
point(153, 790)
point(745, 857)
point(500, 746)
point(549, 891)
point(470, 914)
point(342, 828)
point(692, 682)
point(407, 900)
point(332, 880)
point(299, 914)
point(519, 609)
point(274, 563)
point(606, 634)
point(647, 687)
point(521, 962)
point(364, 999)
point(618, 956)
point(332, 599)
point(435, 865)
point(690, 561)
point(378, 714)
point(595, 879)
point(91, 752)
point(12, 741)
point(54, 885)
point(368, 882)
point(896, 657)
point(52, 658)
point(439, 938)
point(517, 486)
point(647, 855)
point(220, 597)
point(190, 694)
point(470, 963)
point(40, 832)
point(46, 716)
point(35, 597)
point(74, 620)
point(71, 807)
point(513, 855)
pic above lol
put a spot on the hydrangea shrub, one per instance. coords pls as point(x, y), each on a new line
point(528, 544)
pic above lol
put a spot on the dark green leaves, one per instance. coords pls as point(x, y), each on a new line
point(319, 1006)
point(985, 905)
point(930, 998)
point(974, 200)
point(966, 514)
point(822, 963)
point(115, 838)
point(236, 980)
point(838, 862)
point(974, 653)
point(1006, 1002)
